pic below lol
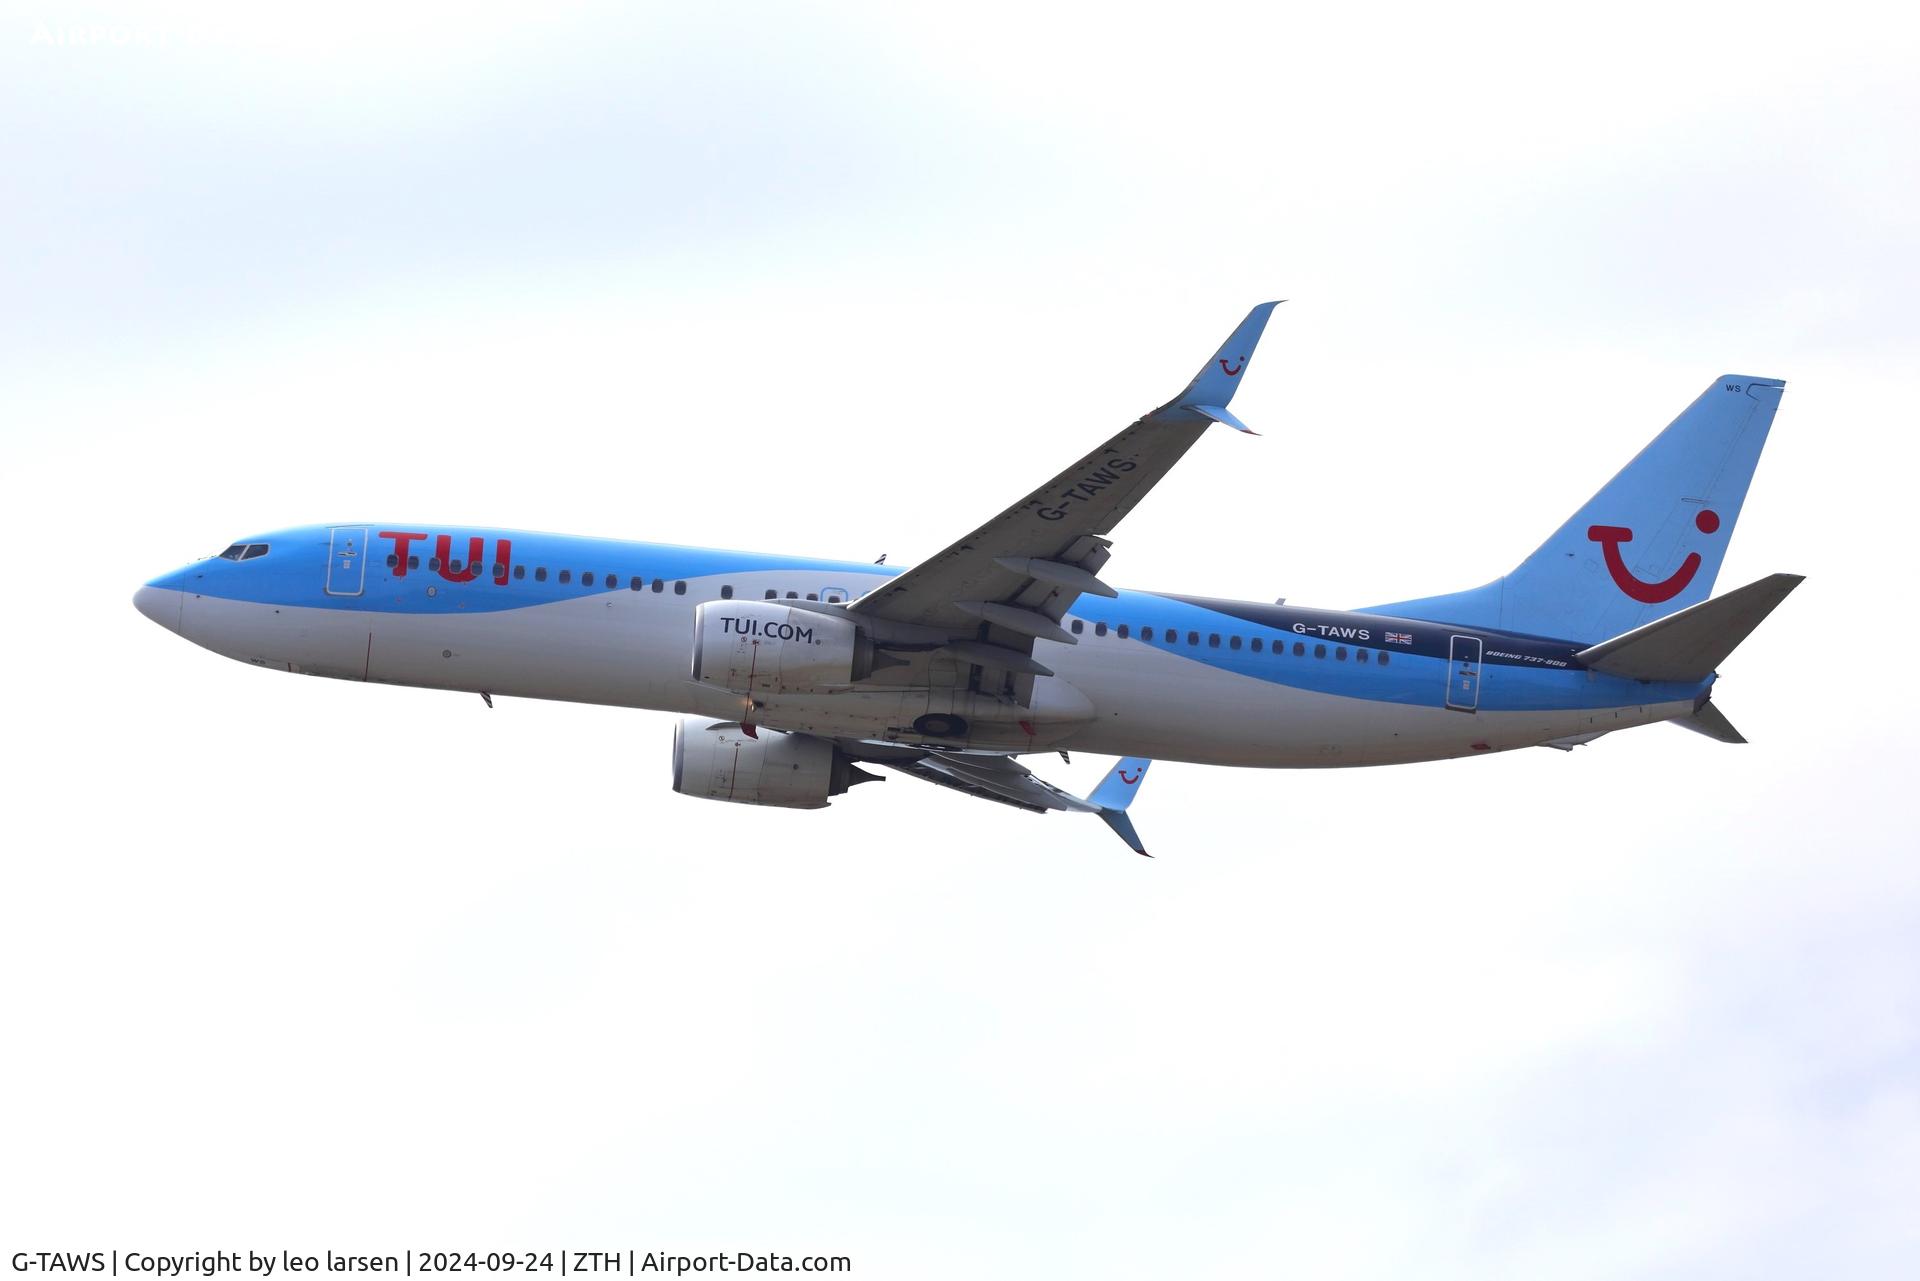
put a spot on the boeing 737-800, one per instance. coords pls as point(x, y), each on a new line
point(792, 674)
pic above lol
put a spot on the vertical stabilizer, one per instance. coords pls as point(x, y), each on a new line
point(1648, 544)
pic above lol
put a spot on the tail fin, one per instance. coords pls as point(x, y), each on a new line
point(1648, 544)
point(1115, 793)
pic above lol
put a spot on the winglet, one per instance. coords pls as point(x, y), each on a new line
point(1115, 793)
point(1220, 415)
point(1212, 388)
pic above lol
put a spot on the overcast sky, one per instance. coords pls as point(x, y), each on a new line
point(292, 962)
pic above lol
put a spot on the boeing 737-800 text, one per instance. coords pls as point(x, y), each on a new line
point(792, 674)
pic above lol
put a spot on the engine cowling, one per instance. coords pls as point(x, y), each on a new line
point(765, 647)
point(718, 761)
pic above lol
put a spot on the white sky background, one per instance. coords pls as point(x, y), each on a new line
point(300, 963)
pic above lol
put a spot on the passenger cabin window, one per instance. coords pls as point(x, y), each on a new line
point(540, 574)
point(659, 584)
point(1146, 633)
point(1233, 642)
point(1193, 638)
point(1255, 642)
point(636, 583)
point(773, 593)
point(586, 579)
point(1299, 649)
point(1078, 627)
point(1213, 640)
point(1341, 653)
point(1099, 629)
point(519, 571)
point(392, 560)
point(433, 562)
point(413, 562)
point(1121, 631)
point(680, 589)
point(1383, 658)
point(1319, 651)
point(453, 567)
point(613, 581)
point(1359, 655)
point(499, 571)
point(726, 591)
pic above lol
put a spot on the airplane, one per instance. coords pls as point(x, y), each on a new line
point(793, 677)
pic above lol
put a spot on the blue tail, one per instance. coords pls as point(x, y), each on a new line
point(1647, 544)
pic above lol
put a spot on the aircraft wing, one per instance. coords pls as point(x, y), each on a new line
point(1003, 779)
point(991, 778)
point(1010, 581)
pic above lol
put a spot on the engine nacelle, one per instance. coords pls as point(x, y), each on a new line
point(718, 761)
point(765, 647)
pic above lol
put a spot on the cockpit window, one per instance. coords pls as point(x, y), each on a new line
point(234, 552)
point(257, 549)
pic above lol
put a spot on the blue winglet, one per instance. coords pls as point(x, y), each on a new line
point(1212, 388)
point(1116, 792)
point(1220, 415)
point(1121, 785)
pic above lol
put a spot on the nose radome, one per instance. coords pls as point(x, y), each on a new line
point(161, 605)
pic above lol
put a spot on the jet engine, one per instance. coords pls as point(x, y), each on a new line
point(765, 647)
point(719, 761)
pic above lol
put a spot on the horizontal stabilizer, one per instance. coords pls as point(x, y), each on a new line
point(1690, 645)
point(1709, 720)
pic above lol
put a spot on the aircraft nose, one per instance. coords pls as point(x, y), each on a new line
point(161, 605)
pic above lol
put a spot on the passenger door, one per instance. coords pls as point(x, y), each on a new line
point(347, 561)
point(1463, 673)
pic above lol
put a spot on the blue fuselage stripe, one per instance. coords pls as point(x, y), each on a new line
point(1404, 660)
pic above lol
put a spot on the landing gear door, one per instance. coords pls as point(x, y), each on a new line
point(1463, 673)
point(347, 561)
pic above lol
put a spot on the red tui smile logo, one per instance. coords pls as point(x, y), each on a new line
point(1611, 536)
point(1234, 372)
point(1129, 781)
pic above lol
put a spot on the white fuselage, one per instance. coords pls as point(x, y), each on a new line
point(1108, 695)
